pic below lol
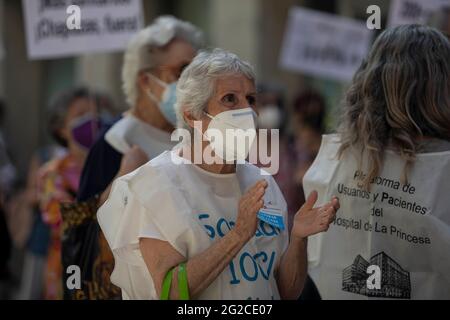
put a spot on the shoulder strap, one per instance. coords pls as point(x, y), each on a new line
point(167, 283)
point(183, 289)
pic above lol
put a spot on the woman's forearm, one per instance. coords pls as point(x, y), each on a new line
point(205, 267)
point(293, 269)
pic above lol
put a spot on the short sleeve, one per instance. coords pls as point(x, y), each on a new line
point(136, 209)
point(124, 221)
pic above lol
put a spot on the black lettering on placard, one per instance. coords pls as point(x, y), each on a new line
point(399, 233)
point(52, 4)
point(411, 10)
point(378, 227)
point(47, 28)
point(115, 25)
point(63, 4)
point(399, 202)
point(353, 192)
point(348, 223)
point(327, 54)
point(63, 27)
point(393, 194)
point(386, 197)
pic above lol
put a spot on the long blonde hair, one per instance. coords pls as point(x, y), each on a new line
point(400, 94)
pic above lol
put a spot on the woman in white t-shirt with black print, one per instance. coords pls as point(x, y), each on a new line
point(390, 167)
point(176, 211)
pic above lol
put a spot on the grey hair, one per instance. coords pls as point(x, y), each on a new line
point(197, 82)
point(140, 53)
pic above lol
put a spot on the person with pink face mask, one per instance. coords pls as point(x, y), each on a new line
point(74, 124)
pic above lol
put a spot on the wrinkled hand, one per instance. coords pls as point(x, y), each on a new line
point(309, 220)
point(132, 159)
point(249, 205)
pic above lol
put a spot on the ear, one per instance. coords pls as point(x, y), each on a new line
point(189, 119)
point(143, 80)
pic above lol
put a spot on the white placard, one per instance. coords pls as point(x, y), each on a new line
point(414, 11)
point(106, 25)
point(324, 45)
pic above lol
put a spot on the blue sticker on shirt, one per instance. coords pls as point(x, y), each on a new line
point(272, 218)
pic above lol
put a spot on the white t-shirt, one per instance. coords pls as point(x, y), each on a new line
point(390, 242)
point(190, 208)
point(130, 131)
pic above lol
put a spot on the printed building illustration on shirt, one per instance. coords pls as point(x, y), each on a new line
point(395, 281)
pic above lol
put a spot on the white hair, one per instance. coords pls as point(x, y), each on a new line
point(139, 54)
point(197, 82)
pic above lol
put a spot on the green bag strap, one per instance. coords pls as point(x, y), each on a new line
point(183, 289)
point(167, 283)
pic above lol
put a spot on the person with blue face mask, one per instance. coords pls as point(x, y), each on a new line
point(153, 62)
point(167, 101)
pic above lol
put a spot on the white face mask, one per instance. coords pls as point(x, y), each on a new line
point(232, 133)
point(269, 117)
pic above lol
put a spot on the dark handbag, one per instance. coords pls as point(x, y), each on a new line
point(84, 245)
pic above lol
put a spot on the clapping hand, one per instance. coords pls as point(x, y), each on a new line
point(309, 220)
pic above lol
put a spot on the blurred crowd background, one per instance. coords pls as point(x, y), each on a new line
point(37, 99)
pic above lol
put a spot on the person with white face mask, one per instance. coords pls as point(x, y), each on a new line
point(182, 228)
point(153, 62)
point(231, 133)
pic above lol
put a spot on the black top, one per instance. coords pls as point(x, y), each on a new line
point(100, 168)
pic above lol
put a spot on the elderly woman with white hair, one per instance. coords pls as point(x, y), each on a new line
point(180, 228)
point(153, 62)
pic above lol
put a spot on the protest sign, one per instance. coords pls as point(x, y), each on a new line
point(414, 11)
point(71, 27)
point(324, 45)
